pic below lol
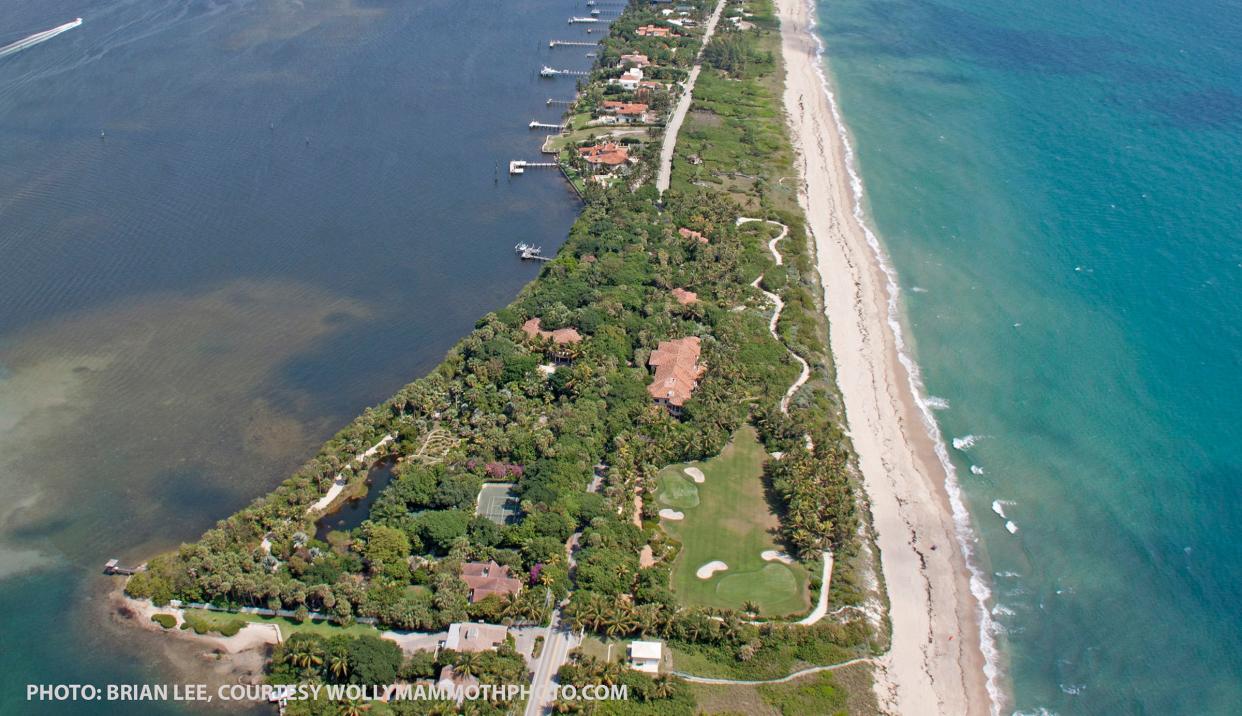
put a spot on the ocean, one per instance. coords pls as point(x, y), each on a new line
point(1057, 186)
point(226, 227)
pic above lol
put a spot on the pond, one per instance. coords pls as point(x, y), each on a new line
point(354, 512)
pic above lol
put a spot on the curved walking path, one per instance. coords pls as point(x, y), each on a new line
point(683, 105)
point(784, 679)
point(780, 306)
point(821, 607)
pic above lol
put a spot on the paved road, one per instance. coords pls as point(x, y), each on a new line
point(683, 106)
point(558, 641)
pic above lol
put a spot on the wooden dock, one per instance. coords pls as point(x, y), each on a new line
point(527, 252)
point(519, 166)
point(570, 43)
point(553, 72)
point(112, 566)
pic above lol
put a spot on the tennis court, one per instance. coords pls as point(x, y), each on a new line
point(497, 502)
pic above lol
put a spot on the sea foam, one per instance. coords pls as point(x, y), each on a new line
point(965, 535)
point(966, 442)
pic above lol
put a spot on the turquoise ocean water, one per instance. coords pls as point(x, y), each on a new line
point(1059, 186)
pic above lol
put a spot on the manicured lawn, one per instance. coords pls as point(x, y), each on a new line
point(598, 648)
point(286, 626)
point(727, 518)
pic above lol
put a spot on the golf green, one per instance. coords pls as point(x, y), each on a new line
point(728, 518)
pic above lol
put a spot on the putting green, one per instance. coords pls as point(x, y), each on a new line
point(676, 491)
point(772, 579)
point(728, 518)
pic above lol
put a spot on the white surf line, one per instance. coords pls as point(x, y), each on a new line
point(683, 105)
point(38, 37)
point(812, 670)
point(805, 375)
point(338, 484)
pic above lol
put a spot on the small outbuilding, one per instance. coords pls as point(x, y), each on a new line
point(645, 656)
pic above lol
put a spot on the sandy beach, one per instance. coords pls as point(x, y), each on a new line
point(936, 662)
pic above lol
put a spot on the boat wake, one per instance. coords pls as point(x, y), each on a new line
point(37, 38)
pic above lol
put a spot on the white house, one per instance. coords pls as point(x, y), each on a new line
point(630, 79)
point(469, 636)
point(645, 656)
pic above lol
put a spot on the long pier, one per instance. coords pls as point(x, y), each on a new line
point(565, 102)
point(570, 43)
point(519, 166)
point(553, 72)
point(544, 125)
point(582, 20)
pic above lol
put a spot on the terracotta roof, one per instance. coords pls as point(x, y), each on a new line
point(625, 108)
point(677, 370)
point(560, 336)
point(488, 578)
point(654, 31)
point(691, 234)
point(611, 154)
point(640, 60)
point(684, 297)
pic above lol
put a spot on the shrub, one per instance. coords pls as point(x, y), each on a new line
point(168, 621)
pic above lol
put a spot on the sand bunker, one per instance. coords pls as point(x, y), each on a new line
point(695, 474)
point(771, 555)
point(671, 514)
point(707, 570)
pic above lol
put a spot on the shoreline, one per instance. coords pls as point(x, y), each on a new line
point(942, 650)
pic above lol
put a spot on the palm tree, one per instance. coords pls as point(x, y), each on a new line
point(611, 673)
point(750, 607)
point(353, 708)
point(338, 662)
point(663, 686)
point(467, 664)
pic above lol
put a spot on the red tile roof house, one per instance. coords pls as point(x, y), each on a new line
point(654, 31)
point(625, 111)
point(635, 60)
point(488, 578)
point(610, 154)
point(677, 372)
point(691, 234)
point(560, 338)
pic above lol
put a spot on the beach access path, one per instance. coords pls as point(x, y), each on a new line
point(935, 664)
point(683, 105)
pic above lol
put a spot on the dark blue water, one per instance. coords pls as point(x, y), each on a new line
point(294, 209)
point(354, 512)
point(1058, 185)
